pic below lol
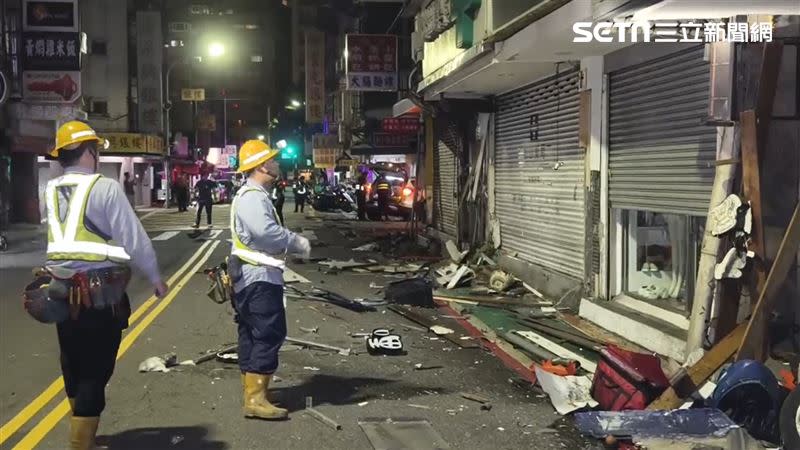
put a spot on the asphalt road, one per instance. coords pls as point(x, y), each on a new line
point(200, 407)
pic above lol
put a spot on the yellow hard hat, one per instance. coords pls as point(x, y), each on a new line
point(254, 153)
point(72, 133)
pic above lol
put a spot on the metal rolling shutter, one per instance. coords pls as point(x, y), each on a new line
point(541, 208)
point(660, 153)
point(445, 190)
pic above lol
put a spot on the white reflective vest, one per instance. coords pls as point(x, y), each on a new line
point(301, 188)
point(246, 254)
point(70, 240)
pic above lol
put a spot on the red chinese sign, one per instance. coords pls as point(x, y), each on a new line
point(391, 140)
point(372, 62)
point(404, 125)
point(315, 77)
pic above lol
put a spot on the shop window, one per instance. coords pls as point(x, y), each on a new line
point(660, 253)
point(100, 107)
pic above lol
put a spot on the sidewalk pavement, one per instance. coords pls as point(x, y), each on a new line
point(26, 245)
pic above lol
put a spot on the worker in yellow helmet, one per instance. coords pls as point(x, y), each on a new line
point(256, 265)
point(93, 234)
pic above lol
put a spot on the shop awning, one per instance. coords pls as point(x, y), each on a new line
point(405, 107)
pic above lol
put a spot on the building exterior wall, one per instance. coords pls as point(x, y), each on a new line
point(105, 76)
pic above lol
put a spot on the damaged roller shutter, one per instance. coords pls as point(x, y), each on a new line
point(540, 174)
point(661, 154)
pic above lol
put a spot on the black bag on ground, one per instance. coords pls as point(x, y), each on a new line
point(415, 291)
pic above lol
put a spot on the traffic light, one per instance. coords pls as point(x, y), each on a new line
point(289, 152)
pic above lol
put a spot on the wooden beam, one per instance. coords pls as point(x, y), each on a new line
point(752, 343)
point(741, 336)
point(701, 371)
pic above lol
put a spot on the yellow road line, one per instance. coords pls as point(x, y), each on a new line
point(33, 408)
point(49, 422)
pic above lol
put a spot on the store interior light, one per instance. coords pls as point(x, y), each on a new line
point(295, 103)
point(261, 137)
point(281, 144)
point(216, 49)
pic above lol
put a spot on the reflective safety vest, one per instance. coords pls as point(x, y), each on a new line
point(245, 253)
point(71, 240)
point(384, 186)
point(301, 188)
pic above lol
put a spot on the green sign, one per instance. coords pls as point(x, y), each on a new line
point(464, 12)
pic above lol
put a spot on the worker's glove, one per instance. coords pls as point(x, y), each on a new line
point(302, 247)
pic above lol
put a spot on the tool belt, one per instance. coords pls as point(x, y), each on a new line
point(98, 289)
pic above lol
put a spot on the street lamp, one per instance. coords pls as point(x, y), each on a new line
point(295, 103)
point(215, 49)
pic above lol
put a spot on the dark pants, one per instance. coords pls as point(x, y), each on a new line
point(279, 209)
point(383, 205)
point(361, 199)
point(183, 199)
point(200, 205)
point(89, 348)
point(262, 326)
point(299, 201)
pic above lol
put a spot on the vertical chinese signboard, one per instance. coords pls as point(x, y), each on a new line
point(371, 62)
point(50, 52)
point(148, 53)
point(315, 76)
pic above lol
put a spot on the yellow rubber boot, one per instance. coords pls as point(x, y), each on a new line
point(255, 398)
point(82, 431)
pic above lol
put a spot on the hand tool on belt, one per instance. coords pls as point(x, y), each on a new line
point(99, 288)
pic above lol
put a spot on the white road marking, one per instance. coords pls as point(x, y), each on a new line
point(215, 234)
point(166, 235)
point(147, 215)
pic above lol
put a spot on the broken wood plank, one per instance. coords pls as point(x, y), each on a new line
point(701, 371)
point(563, 335)
point(529, 347)
point(772, 55)
point(752, 346)
point(589, 366)
point(599, 334)
point(486, 301)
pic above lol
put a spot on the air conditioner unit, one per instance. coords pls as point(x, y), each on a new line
point(199, 9)
point(180, 27)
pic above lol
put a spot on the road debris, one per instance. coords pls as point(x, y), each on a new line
point(363, 404)
point(589, 366)
point(680, 423)
point(486, 404)
point(341, 265)
point(374, 285)
point(383, 342)
point(371, 247)
point(305, 343)
point(501, 281)
point(326, 296)
point(389, 433)
point(414, 405)
point(462, 276)
point(310, 410)
point(455, 254)
point(420, 366)
point(311, 368)
point(567, 393)
point(414, 291)
point(440, 330)
point(158, 363)
point(313, 330)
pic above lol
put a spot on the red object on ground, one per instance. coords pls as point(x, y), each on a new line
point(560, 369)
point(627, 380)
point(787, 378)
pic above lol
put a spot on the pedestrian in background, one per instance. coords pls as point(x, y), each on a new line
point(300, 194)
point(205, 198)
point(384, 195)
point(361, 197)
point(257, 263)
point(97, 259)
point(279, 198)
point(128, 184)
